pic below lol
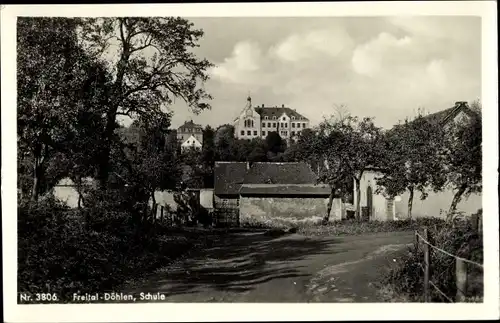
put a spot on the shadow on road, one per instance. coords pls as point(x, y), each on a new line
point(241, 263)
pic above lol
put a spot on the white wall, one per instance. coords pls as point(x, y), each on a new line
point(436, 204)
point(379, 211)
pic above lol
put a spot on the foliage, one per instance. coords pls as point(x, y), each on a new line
point(60, 101)
point(412, 159)
point(155, 64)
point(458, 239)
point(342, 149)
point(91, 250)
point(463, 158)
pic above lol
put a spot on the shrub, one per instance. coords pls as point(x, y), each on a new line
point(90, 250)
point(406, 280)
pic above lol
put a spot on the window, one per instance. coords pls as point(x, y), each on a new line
point(249, 132)
point(298, 125)
point(269, 124)
point(283, 119)
point(303, 125)
point(281, 124)
point(242, 132)
point(274, 124)
point(263, 133)
point(255, 133)
point(293, 133)
point(265, 118)
point(263, 124)
point(274, 117)
point(293, 118)
point(286, 125)
point(293, 125)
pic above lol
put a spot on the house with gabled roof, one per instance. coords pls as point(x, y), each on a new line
point(259, 121)
point(190, 135)
point(265, 191)
point(379, 207)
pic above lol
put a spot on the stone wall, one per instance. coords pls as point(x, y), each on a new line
point(287, 209)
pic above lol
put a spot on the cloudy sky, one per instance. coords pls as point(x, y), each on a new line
point(385, 67)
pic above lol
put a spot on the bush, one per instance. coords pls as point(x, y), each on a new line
point(87, 251)
point(406, 280)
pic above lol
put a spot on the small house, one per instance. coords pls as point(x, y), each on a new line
point(228, 177)
point(284, 192)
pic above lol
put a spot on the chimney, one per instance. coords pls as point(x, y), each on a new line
point(262, 104)
point(460, 103)
point(282, 105)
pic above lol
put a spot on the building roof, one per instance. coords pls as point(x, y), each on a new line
point(191, 141)
point(286, 189)
point(189, 125)
point(228, 177)
point(278, 111)
point(280, 173)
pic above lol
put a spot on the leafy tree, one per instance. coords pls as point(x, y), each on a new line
point(345, 148)
point(60, 89)
point(148, 163)
point(412, 159)
point(154, 64)
point(224, 143)
point(463, 159)
point(274, 142)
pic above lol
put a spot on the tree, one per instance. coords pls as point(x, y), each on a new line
point(150, 162)
point(274, 142)
point(59, 94)
point(412, 159)
point(224, 143)
point(345, 148)
point(154, 65)
point(463, 159)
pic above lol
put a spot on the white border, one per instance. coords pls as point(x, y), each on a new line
point(252, 312)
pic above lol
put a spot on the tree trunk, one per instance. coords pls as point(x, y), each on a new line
point(79, 190)
point(153, 211)
point(455, 201)
point(118, 97)
point(410, 202)
point(37, 171)
point(329, 207)
point(358, 199)
point(36, 180)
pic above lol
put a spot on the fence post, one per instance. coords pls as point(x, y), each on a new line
point(427, 266)
point(461, 279)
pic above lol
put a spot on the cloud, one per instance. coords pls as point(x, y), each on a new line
point(327, 42)
point(368, 58)
point(381, 67)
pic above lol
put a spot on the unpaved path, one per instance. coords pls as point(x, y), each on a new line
point(255, 267)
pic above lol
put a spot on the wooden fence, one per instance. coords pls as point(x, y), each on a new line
point(461, 265)
point(226, 217)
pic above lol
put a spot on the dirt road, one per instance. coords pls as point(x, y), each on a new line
point(255, 267)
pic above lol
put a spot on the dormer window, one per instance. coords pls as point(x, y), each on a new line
point(283, 118)
point(265, 118)
point(274, 117)
point(293, 118)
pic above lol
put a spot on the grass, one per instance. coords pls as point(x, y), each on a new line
point(346, 227)
point(406, 280)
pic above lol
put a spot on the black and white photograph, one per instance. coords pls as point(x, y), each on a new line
point(169, 155)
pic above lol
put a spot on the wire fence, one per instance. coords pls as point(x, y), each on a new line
point(461, 266)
